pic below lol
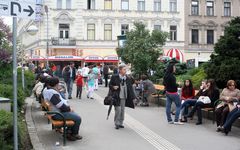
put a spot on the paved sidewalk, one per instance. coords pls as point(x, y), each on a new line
point(146, 129)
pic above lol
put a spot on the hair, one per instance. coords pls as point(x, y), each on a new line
point(95, 65)
point(205, 80)
point(42, 78)
point(168, 72)
point(71, 63)
point(212, 86)
point(144, 77)
point(53, 81)
point(121, 67)
point(188, 90)
point(230, 82)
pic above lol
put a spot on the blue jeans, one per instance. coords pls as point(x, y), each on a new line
point(69, 87)
point(71, 116)
point(187, 104)
point(232, 117)
point(170, 99)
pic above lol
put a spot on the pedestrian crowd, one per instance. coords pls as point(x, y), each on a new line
point(125, 91)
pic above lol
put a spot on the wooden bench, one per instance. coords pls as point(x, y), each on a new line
point(160, 90)
point(57, 124)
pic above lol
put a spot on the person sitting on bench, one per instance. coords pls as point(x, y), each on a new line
point(205, 101)
point(61, 105)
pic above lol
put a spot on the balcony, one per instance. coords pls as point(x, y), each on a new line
point(56, 41)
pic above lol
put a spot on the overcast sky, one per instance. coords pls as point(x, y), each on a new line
point(8, 20)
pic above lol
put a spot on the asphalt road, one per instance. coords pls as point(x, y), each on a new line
point(145, 129)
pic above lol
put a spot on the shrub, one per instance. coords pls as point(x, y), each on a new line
point(6, 90)
point(198, 77)
point(6, 130)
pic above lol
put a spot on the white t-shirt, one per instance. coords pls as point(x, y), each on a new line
point(85, 71)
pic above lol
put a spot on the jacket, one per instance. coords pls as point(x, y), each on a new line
point(116, 81)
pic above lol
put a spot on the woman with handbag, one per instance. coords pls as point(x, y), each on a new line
point(228, 95)
point(191, 102)
point(205, 101)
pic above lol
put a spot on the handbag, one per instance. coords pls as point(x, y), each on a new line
point(204, 99)
point(108, 99)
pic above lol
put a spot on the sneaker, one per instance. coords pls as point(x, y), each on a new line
point(178, 123)
point(170, 122)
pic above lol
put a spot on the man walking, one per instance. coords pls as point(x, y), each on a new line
point(69, 75)
point(105, 74)
point(122, 90)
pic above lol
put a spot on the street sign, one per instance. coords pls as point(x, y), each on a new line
point(18, 8)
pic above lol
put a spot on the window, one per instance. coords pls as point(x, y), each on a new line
point(210, 8)
point(157, 27)
point(125, 4)
point(108, 4)
point(173, 33)
point(227, 9)
point(91, 31)
point(91, 4)
point(68, 4)
point(195, 36)
point(124, 29)
point(195, 7)
point(157, 5)
point(64, 31)
point(141, 5)
point(210, 37)
point(59, 4)
point(173, 5)
point(107, 32)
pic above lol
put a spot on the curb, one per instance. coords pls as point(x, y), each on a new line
point(31, 126)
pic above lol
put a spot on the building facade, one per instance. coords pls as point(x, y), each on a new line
point(86, 31)
point(205, 21)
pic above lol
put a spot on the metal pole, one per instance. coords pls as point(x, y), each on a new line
point(23, 78)
point(15, 114)
point(46, 10)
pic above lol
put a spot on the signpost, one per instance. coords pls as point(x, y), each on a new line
point(16, 9)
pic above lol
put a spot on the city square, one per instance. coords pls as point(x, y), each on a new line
point(123, 74)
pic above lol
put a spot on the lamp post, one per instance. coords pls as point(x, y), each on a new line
point(121, 43)
point(31, 30)
point(47, 50)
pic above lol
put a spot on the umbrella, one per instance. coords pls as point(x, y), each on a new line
point(110, 107)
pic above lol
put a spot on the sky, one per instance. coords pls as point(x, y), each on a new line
point(8, 20)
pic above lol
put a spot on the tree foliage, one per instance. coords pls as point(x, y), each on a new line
point(142, 48)
point(225, 62)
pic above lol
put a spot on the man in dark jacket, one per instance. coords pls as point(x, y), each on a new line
point(105, 74)
point(122, 90)
point(69, 75)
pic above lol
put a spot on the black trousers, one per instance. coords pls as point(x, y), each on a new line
point(198, 108)
point(79, 91)
point(106, 80)
point(221, 115)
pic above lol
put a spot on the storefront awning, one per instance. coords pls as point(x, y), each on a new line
point(100, 55)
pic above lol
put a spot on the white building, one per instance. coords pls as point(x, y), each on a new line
point(87, 30)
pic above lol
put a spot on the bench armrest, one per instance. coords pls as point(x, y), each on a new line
point(57, 113)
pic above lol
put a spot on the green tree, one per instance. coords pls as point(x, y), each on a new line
point(142, 48)
point(225, 62)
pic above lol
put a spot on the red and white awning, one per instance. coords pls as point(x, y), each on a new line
point(175, 53)
point(93, 58)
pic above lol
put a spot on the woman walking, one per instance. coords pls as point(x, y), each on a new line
point(172, 94)
point(91, 84)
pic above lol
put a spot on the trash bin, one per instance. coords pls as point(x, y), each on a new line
point(5, 104)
